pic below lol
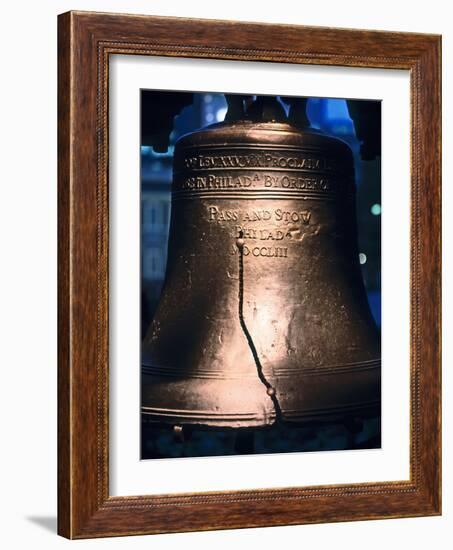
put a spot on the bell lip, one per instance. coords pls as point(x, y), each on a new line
point(331, 415)
point(248, 132)
point(292, 413)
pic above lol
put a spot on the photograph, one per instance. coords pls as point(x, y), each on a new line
point(260, 274)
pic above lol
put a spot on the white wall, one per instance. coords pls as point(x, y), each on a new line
point(28, 269)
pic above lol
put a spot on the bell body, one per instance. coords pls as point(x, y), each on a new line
point(263, 315)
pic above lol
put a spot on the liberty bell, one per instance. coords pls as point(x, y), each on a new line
point(263, 316)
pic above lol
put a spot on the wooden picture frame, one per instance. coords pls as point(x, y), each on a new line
point(85, 41)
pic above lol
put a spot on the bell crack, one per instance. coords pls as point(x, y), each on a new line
point(270, 390)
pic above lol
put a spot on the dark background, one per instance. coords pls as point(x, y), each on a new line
point(165, 116)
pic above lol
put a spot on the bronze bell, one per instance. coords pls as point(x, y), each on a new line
point(263, 316)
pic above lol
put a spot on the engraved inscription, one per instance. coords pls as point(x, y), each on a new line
point(263, 251)
point(300, 182)
point(216, 214)
point(255, 181)
point(211, 181)
point(265, 231)
point(293, 216)
point(259, 160)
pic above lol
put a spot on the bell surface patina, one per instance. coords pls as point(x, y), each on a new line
point(263, 316)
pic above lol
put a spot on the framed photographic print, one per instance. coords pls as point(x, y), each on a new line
point(249, 274)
